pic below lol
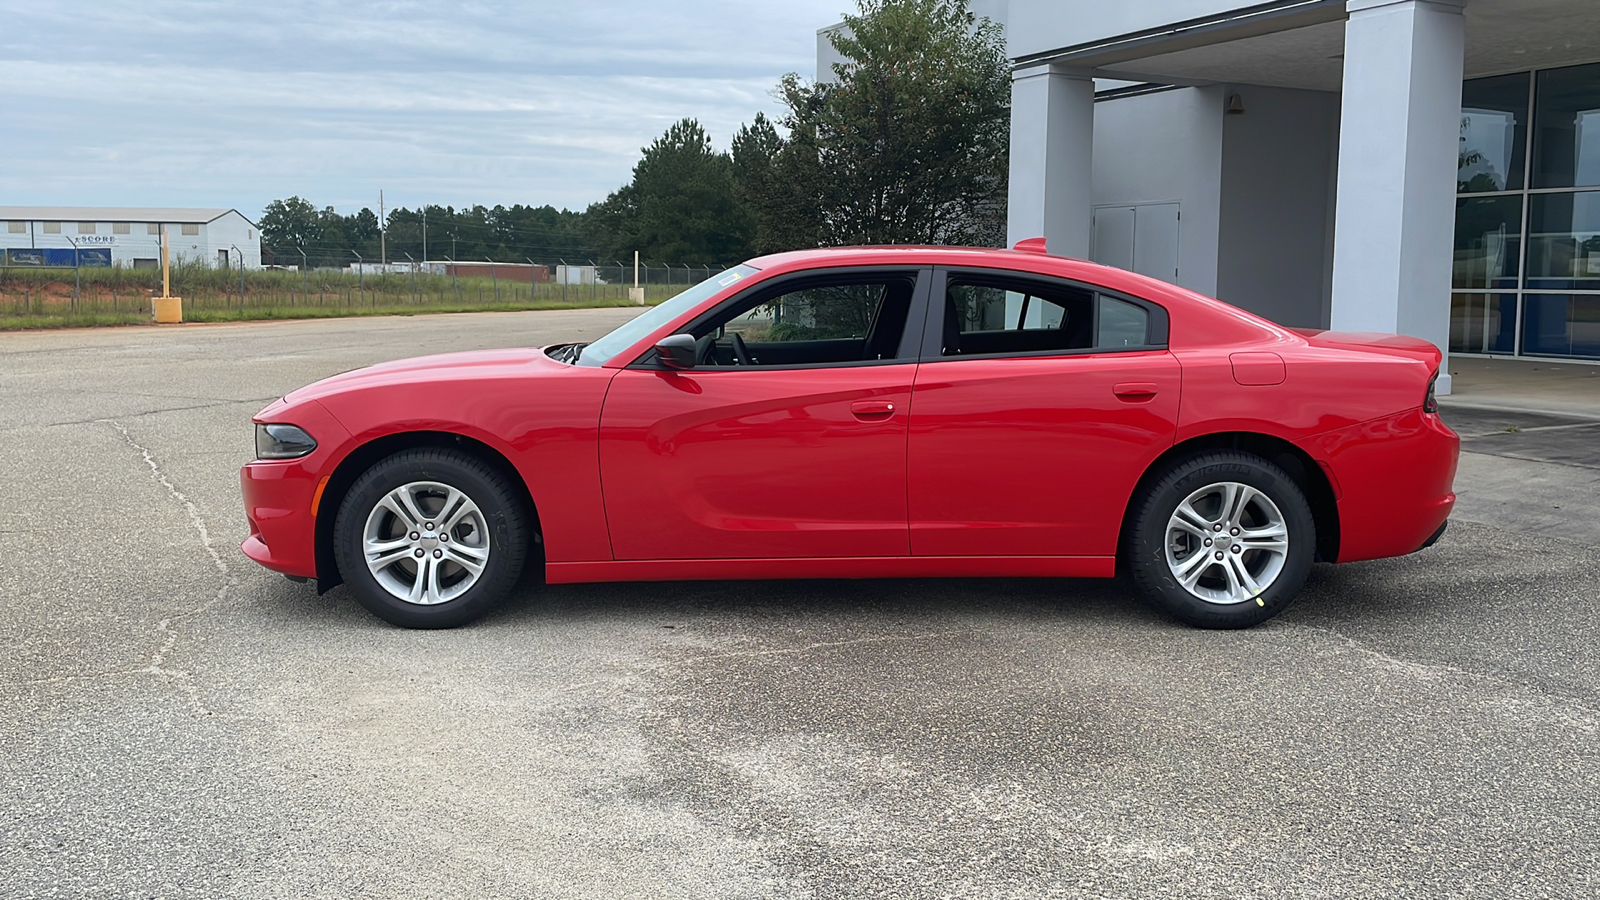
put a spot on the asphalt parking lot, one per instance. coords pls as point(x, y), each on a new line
point(176, 722)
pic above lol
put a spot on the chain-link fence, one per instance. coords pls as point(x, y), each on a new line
point(94, 287)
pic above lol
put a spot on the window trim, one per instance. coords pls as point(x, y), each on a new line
point(911, 337)
point(1158, 333)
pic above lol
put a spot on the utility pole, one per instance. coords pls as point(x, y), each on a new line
point(424, 233)
point(383, 247)
point(241, 273)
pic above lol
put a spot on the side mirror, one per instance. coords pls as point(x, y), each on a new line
point(677, 351)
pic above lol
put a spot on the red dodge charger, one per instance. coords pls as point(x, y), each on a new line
point(868, 412)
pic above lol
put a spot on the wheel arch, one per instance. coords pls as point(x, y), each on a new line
point(365, 456)
point(1299, 465)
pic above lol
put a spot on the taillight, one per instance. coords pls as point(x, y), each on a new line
point(1430, 403)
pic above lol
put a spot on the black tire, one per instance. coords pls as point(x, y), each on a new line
point(500, 524)
point(1149, 542)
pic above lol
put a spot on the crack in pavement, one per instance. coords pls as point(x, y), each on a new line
point(154, 412)
point(827, 645)
point(168, 626)
point(1588, 717)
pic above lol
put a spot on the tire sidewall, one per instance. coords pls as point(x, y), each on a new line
point(1149, 551)
point(502, 518)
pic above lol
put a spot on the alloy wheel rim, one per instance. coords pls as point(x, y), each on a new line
point(426, 543)
point(1227, 543)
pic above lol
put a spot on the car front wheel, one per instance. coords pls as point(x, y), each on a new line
point(1222, 540)
point(430, 538)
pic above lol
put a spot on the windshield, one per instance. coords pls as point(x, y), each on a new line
point(600, 352)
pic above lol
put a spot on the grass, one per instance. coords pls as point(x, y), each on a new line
point(51, 298)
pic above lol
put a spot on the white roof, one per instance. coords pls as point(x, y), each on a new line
point(113, 214)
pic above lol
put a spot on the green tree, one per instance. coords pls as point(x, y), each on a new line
point(287, 225)
point(680, 206)
point(908, 143)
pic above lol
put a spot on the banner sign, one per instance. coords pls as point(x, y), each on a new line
point(59, 258)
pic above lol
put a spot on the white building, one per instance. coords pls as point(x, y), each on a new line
point(126, 236)
point(1430, 167)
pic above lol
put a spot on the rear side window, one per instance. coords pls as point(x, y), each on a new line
point(1122, 324)
point(987, 315)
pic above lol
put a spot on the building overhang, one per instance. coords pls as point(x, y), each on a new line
point(1300, 44)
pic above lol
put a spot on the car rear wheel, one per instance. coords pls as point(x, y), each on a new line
point(430, 538)
point(1222, 540)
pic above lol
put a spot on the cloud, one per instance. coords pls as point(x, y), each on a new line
point(178, 103)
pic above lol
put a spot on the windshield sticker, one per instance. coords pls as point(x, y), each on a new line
point(729, 278)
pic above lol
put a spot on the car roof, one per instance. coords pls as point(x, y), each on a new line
point(989, 257)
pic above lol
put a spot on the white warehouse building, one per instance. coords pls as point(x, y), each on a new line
point(1429, 167)
point(126, 236)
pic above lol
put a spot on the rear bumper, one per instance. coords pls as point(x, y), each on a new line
point(1436, 535)
point(1396, 477)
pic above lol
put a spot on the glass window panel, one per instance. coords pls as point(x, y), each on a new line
point(1494, 123)
point(1564, 241)
point(1566, 148)
point(1122, 324)
point(1488, 242)
point(1561, 325)
point(993, 315)
point(1483, 323)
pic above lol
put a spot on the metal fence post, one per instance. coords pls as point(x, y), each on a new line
point(77, 273)
point(305, 275)
point(494, 274)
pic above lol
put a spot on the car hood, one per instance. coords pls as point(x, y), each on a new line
point(469, 365)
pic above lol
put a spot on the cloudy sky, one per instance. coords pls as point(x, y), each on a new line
point(231, 104)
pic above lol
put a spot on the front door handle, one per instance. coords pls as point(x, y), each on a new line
point(872, 410)
point(1135, 391)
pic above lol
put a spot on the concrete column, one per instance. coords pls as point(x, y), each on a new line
point(1052, 159)
point(1394, 234)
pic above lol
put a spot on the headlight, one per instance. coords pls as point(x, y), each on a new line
point(282, 442)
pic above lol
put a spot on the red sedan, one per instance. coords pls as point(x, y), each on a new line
point(868, 412)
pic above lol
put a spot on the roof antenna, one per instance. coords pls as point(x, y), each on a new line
point(1031, 245)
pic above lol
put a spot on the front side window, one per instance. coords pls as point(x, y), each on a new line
point(817, 321)
point(601, 351)
point(987, 315)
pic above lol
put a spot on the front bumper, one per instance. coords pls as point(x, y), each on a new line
point(278, 494)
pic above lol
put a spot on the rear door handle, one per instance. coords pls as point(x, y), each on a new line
point(872, 410)
point(1135, 391)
